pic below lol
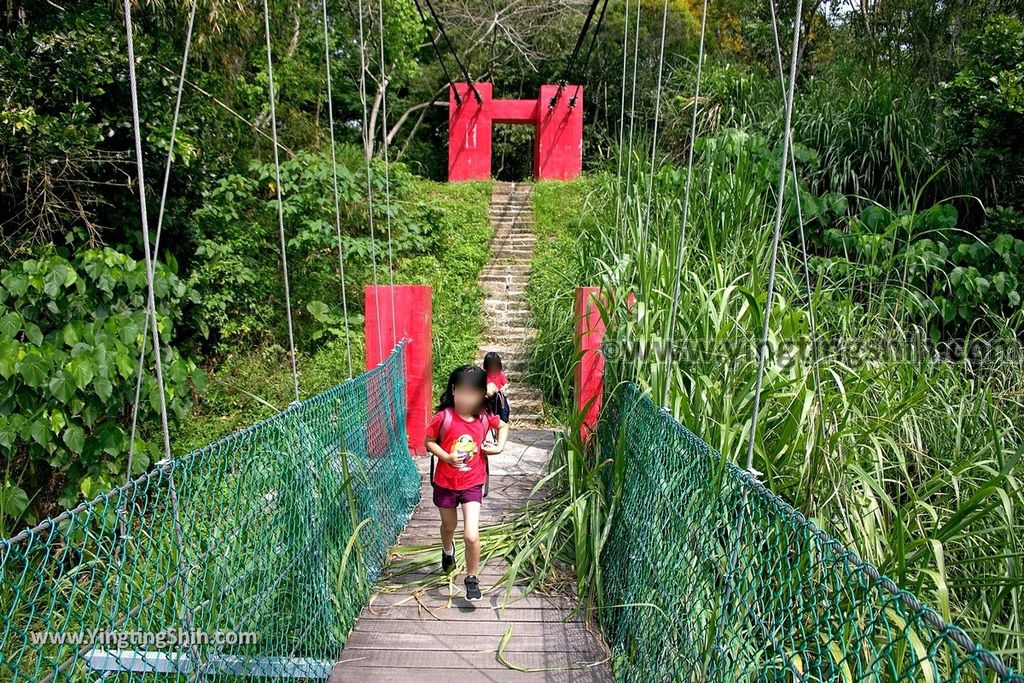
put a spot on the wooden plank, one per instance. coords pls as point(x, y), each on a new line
point(420, 627)
point(556, 641)
point(469, 628)
point(474, 661)
point(367, 674)
point(512, 614)
point(440, 596)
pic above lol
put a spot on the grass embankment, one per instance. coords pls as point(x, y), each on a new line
point(250, 386)
point(905, 455)
point(556, 271)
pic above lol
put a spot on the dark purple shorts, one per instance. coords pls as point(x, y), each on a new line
point(446, 498)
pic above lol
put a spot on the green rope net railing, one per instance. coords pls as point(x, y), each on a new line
point(707, 575)
point(248, 558)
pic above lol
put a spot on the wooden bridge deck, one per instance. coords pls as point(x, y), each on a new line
point(411, 634)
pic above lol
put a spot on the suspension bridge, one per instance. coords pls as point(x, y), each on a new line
point(301, 547)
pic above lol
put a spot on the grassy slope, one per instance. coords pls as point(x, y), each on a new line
point(247, 387)
point(554, 276)
point(901, 491)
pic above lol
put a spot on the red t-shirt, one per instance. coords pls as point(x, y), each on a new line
point(462, 437)
point(497, 378)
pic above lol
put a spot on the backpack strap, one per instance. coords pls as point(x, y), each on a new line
point(446, 423)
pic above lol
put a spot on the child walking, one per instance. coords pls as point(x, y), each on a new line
point(497, 385)
point(455, 436)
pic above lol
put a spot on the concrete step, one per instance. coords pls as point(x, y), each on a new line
point(507, 322)
point(509, 272)
point(511, 217)
point(526, 420)
point(509, 314)
point(514, 238)
point(506, 303)
point(518, 277)
point(522, 405)
point(518, 335)
point(499, 288)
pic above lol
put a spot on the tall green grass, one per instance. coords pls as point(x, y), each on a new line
point(909, 459)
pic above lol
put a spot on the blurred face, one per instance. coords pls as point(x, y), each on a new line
point(467, 399)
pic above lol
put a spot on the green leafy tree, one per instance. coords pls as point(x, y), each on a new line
point(70, 330)
point(984, 109)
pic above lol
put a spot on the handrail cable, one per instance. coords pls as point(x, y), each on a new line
point(622, 117)
point(140, 174)
point(632, 105)
point(787, 141)
point(334, 188)
point(787, 96)
point(151, 304)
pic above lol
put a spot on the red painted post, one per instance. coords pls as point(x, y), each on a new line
point(557, 118)
point(469, 133)
point(411, 321)
point(558, 146)
point(589, 378)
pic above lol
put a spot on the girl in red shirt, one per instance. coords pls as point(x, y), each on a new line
point(455, 436)
point(497, 385)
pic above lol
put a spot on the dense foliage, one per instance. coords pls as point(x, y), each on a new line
point(70, 332)
point(894, 420)
point(68, 201)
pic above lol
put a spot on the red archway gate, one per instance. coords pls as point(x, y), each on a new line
point(557, 116)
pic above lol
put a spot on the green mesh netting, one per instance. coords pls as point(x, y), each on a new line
point(253, 534)
point(710, 576)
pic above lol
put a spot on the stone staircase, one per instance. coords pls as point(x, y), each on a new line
point(506, 312)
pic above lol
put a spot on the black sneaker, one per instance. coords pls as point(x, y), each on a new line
point(447, 561)
point(472, 588)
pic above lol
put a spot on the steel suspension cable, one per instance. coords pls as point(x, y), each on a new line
point(590, 51)
point(451, 48)
point(334, 187)
point(280, 201)
point(622, 118)
point(576, 50)
point(657, 115)
point(387, 178)
point(632, 106)
point(762, 349)
point(812, 318)
point(681, 244)
point(152, 316)
point(159, 228)
point(437, 52)
point(367, 140)
point(144, 217)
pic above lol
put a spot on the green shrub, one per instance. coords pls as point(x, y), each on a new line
point(69, 347)
point(983, 109)
point(237, 267)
